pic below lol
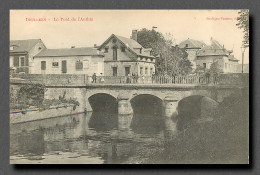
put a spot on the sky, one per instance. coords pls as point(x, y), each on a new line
point(79, 31)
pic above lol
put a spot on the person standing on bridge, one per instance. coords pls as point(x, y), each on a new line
point(102, 80)
point(94, 78)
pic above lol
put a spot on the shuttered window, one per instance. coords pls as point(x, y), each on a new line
point(79, 65)
point(22, 61)
point(16, 61)
point(43, 65)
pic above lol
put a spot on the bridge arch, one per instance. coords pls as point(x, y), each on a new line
point(103, 102)
point(147, 104)
point(194, 107)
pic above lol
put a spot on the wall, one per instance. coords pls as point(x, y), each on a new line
point(235, 79)
point(225, 65)
point(20, 68)
point(95, 65)
point(205, 59)
point(146, 65)
point(34, 51)
point(192, 56)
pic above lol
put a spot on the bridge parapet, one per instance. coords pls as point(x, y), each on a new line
point(82, 79)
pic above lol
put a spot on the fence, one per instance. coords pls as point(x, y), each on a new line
point(81, 79)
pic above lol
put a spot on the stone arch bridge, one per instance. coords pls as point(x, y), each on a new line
point(94, 96)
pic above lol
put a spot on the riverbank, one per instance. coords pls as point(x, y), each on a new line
point(223, 140)
point(40, 114)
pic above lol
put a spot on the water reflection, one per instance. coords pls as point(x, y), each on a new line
point(85, 138)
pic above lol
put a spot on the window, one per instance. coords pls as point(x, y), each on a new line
point(79, 65)
point(106, 50)
point(151, 71)
point(122, 49)
point(114, 71)
point(16, 61)
point(22, 61)
point(55, 64)
point(114, 40)
point(141, 70)
point(11, 47)
point(43, 65)
point(114, 53)
point(85, 64)
point(204, 65)
point(186, 45)
point(127, 71)
point(146, 71)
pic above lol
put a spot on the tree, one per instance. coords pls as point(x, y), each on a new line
point(243, 23)
point(169, 58)
point(185, 66)
point(214, 68)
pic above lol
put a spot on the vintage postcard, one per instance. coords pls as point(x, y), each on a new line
point(129, 86)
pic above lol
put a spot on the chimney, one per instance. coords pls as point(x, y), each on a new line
point(134, 35)
point(95, 45)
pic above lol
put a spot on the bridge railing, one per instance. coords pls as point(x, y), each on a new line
point(149, 80)
point(82, 79)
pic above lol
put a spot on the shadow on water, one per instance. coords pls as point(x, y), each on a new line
point(105, 109)
point(147, 117)
point(101, 121)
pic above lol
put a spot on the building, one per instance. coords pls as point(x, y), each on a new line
point(124, 56)
point(204, 55)
point(191, 46)
point(22, 53)
point(84, 60)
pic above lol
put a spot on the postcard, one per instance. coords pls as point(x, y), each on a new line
point(129, 86)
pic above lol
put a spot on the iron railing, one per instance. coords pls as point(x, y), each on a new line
point(82, 79)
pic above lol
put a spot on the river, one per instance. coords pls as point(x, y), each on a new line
point(88, 138)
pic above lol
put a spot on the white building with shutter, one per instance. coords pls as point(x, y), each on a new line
point(84, 60)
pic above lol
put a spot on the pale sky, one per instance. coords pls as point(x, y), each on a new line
point(182, 24)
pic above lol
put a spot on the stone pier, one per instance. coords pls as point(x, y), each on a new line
point(124, 121)
point(124, 105)
point(171, 105)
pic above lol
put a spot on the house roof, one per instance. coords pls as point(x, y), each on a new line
point(215, 49)
point(232, 58)
point(210, 52)
point(23, 45)
point(192, 43)
point(131, 44)
point(215, 44)
point(81, 51)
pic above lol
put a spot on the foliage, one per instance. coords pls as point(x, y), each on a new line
point(199, 70)
point(185, 66)
point(170, 60)
point(243, 23)
point(31, 94)
point(214, 68)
